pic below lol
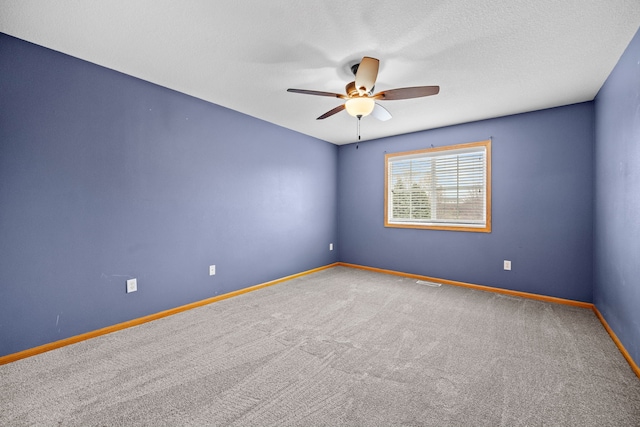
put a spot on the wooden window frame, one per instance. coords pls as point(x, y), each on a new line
point(430, 152)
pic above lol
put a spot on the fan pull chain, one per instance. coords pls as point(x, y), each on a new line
point(358, 128)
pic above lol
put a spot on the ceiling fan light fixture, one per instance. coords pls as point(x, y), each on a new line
point(361, 106)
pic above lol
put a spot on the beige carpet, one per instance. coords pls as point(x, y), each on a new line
point(341, 347)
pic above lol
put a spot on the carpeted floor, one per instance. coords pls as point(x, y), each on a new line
point(340, 347)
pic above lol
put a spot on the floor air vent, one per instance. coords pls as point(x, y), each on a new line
point(432, 284)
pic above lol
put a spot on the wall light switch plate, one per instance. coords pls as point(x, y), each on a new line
point(212, 270)
point(507, 265)
point(330, 246)
point(132, 285)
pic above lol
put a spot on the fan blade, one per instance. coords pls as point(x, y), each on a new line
point(317, 92)
point(407, 93)
point(332, 112)
point(367, 74)
point(380, 113)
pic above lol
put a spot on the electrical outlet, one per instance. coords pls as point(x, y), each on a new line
point(330, 246)
point(132, 285)
point(507, 265)
point(212, 270)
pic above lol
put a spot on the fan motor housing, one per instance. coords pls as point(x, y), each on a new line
point(351, 90)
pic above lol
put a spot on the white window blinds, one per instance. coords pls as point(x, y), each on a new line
point(443, 187)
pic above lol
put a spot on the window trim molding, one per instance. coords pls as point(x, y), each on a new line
point(487, 226)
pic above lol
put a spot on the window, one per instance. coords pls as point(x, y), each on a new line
point(444, 188)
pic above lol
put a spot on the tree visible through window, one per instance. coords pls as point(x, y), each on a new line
point(443, 188)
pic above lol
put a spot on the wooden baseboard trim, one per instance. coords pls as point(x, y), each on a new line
point(155, 316)
point(614, 337)
point(141, 320)
point(476, 287)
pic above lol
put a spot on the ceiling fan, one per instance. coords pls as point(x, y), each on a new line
point(360, 100)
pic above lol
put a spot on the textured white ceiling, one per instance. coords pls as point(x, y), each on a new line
point(491, 58)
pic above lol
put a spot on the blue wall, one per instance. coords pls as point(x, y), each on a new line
point(617, 206)
point(542, 206)
point(105, 177)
